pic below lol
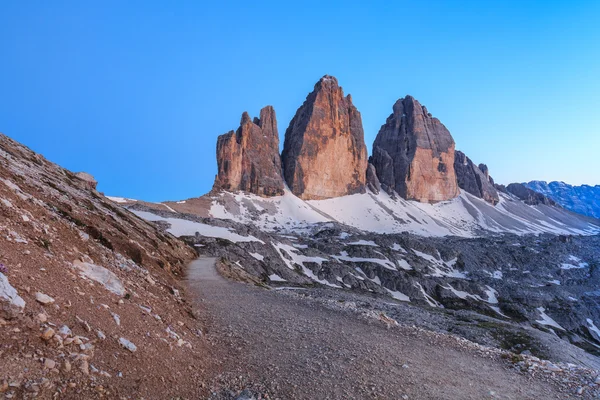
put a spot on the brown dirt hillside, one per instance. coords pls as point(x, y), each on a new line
point(104, 314)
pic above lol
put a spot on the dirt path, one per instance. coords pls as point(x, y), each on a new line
point(294, 349)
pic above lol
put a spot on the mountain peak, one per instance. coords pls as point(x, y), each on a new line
point(413, 154)
point(324, 153)
point(248, 159)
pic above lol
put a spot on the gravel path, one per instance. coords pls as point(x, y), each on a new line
point(281, 347)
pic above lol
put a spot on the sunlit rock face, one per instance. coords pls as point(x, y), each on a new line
point(248, 159)
point(413, 154)
point(324, 153)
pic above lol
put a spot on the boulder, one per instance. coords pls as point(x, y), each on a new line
point(11, 304)
point(413, 154)
point(248, 159)
point(127, 345)
point(324, 153)
point(86, 180)
point(43, 298)
point(474, 179)
point(100, 275)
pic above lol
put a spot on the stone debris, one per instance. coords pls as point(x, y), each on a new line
point(48, 334)
point(127, 345)
point(43, 298)
point(101, 275)
point(117, 318)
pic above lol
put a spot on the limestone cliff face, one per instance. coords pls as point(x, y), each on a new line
point(248, 159)
point(324, 153)
point(413, 154)
point(474, 179)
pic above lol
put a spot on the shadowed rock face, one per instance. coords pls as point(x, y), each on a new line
point(324, 153)
point(372, 181)
point(474, 179)
point(413, 154)
point(528, 196)
point(248, 159)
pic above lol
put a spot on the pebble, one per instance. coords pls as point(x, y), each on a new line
point(50, 364)
point(48, 334)
point(552, 368)
point(64, 331)
point(127, 344)
point(84, 367)
point(43, 298)
point(117, 318)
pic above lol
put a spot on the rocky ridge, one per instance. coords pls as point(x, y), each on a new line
point(584, 199)
point(527, 195)
point(324, 155)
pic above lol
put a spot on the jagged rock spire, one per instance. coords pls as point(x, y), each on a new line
point(413, 154)
point(248, 159)
point(324, 153)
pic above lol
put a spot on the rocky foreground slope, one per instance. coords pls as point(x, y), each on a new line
point(90, 297)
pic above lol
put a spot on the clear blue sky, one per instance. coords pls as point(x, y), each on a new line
point(137, 93)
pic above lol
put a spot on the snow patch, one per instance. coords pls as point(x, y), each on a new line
point(119, 199)
point(276, 278)
point(184, 227)
point(398, 295)
point(546, 320)
point(593, 327)
point(383, 262)
point(364, 243)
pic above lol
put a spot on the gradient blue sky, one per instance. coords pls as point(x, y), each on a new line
point(137, 93)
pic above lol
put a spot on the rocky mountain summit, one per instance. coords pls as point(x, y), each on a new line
point(327, 177)
point(248, 159)
point(324, 152)
point(413, 154)
point(324, 155)
point(584, 199)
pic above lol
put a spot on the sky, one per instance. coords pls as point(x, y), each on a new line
point(137, 92)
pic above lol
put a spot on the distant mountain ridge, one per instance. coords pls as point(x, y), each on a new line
point(584, 199)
